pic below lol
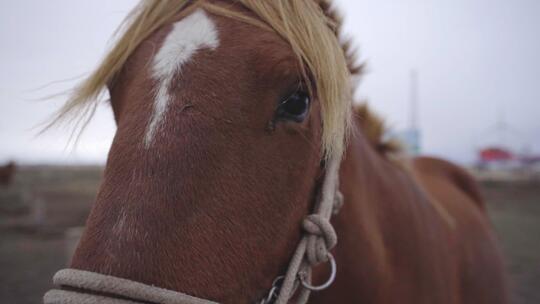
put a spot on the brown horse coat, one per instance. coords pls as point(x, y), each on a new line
point(416, 233)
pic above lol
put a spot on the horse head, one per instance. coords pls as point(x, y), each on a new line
point(226, 113)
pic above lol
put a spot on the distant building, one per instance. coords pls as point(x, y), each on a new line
point(495, 154)
point(498, 157)
point(410, 139)
point(530, 159)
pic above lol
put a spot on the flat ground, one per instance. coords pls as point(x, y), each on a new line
point(38, 209)
point(514, 209)
point(36, 212)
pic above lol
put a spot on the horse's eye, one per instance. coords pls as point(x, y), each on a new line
point(294, 108)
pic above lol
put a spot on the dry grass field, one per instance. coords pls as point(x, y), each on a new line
point(514, 209)
point(38, 209)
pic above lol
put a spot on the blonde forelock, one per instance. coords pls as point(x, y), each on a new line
point(306, 25)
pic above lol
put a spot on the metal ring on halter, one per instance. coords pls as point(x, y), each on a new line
point(273, 293)
point(328, 282)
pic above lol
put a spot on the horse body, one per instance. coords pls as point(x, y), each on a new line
point(6, 173)
point(411, 234)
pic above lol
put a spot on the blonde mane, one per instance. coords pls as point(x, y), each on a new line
point(312, 28)
point(375, 130)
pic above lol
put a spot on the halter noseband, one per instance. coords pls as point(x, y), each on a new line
point(84, 287)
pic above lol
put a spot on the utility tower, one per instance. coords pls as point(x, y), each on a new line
point(413, 132)
point(413, 101)
point(410, 135)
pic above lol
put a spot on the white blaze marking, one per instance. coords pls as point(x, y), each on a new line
point(190, 34)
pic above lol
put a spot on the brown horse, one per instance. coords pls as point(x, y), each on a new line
point(228, 114)
point(6, 173)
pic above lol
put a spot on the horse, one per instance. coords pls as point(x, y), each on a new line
point(240, 157)
point(6, 173)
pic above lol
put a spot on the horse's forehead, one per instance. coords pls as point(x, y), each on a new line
point(199, 31)
point(192, 33)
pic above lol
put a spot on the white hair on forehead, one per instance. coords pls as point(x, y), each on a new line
point(194, 32)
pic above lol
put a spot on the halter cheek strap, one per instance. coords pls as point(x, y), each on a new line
point(84, 287)
point(319, 238)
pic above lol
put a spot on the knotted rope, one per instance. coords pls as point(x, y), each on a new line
point(314, 247)
point(321, 238)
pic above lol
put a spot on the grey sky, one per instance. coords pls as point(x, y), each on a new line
point(475, 58)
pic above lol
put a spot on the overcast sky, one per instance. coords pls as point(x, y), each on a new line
point(477, 60)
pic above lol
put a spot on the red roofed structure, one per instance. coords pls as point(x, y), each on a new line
point(496, 154)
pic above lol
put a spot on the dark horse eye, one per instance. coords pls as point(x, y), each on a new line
point(295, 107)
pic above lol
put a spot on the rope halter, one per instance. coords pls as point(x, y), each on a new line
point(321, 239)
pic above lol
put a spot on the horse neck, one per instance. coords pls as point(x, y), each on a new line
point(380, 198)
point(365, 176)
